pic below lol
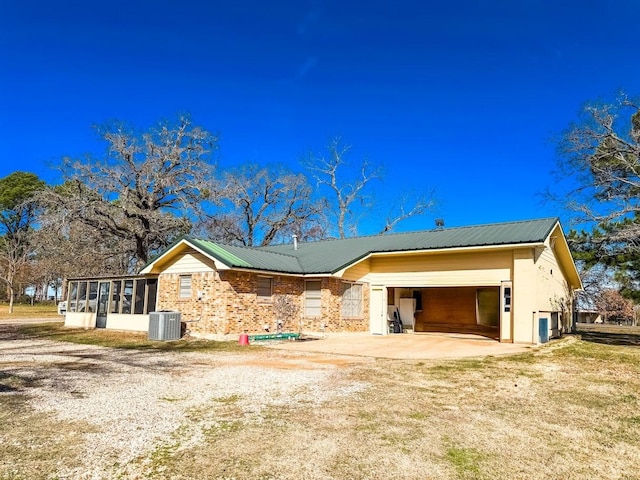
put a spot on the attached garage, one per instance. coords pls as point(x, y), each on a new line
point(495, 280)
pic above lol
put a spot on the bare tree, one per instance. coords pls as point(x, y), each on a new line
point(260, 206)
point(407, 206)
point(145, 192)
point(70, 248)
point(349, 198)
point(19, 210)
point(601, 152)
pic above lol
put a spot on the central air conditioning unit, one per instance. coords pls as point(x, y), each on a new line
point(164, 326)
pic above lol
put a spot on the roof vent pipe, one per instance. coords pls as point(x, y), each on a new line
point(439, 223)
point(295, 241)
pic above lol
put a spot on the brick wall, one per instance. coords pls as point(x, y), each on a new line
point(230, 305)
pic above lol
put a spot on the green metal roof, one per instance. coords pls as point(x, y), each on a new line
point(330, 256)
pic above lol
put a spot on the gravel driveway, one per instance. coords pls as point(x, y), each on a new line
point(138, 400)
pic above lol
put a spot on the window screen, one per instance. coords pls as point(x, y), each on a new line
point(139, 298)
point(127, 296)
point(115, 296)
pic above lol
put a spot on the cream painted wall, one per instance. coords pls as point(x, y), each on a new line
point(441, 269)
point(134, 323)
point(524, 296)
point(190, 262)
point(359, 272)
point(550, 280)
point(80, 319)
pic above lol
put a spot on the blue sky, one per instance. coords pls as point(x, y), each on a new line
point(464, 97)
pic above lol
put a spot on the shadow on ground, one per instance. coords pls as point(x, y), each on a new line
point(611, 338)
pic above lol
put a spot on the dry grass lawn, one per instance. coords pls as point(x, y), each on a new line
point(39, 310)
point(570, 410)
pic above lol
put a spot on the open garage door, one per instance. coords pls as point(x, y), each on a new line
point(460, 309)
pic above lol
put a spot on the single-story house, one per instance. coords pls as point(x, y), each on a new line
point(510, 281)
point(588, 316)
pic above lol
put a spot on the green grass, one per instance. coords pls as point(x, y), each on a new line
point(466, 461)
point(126, 340)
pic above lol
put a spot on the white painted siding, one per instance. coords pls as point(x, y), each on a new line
point(190, 262)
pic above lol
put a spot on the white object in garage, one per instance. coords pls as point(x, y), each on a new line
point(407, 310)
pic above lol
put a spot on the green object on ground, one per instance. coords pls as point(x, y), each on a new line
point(274, 336)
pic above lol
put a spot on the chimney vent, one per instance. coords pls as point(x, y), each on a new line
point(439, 223)
point(295, 241)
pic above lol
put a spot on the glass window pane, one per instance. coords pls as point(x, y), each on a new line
point(115, 296)
point(264, 288)
point(93, 296)
point(152, 293)
point(127, 296)
point(139, 300)
point(82, 297)
point(73, 297)
point(352, 300)
point(185, 286)
point(312, 298)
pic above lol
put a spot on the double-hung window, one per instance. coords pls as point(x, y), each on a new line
point(185, 286)
point(351, 300)
point(264, 289)
point(312, 298)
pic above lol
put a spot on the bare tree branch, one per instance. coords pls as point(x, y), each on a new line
point(348, 200)
point(260, 206)
point(148, 190)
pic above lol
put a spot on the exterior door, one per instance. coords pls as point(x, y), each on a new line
point(377, 311)
point(103, 305)
point(506, 315)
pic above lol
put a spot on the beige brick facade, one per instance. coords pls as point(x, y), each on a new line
point(224, 304)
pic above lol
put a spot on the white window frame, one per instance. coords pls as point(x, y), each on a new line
point(352, 300)
point(312, 299)
point(185, 287)
point(262, 287)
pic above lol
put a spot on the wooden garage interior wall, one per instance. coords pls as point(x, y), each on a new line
point(475, 308)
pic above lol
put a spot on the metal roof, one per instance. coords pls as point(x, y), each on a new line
point(330, 256)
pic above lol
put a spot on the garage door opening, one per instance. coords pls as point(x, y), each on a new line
point(458, 310)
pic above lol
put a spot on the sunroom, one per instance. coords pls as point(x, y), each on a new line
point(117, 302)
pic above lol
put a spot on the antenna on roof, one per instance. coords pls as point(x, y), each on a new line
point(295, 241)
point(439, 223)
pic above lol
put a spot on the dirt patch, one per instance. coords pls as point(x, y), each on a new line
point(302, 361)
